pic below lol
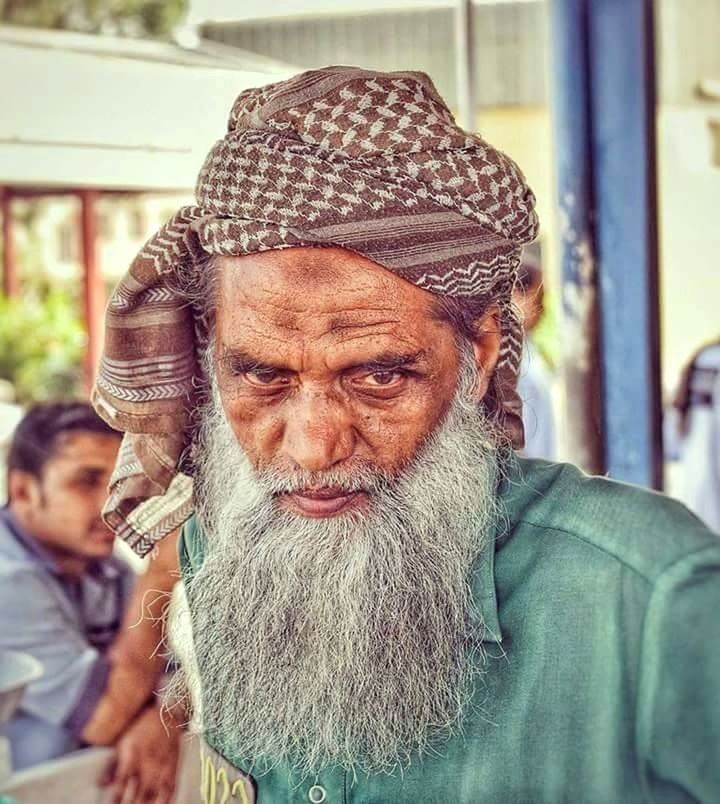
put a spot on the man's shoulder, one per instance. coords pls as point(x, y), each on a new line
point(14, 558)
point(642, 530)
point(23, 580)
point(709, 357)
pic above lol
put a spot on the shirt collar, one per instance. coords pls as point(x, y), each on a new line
point(488, 594)
point(30, 544)
point(487, 599)
point(515, 494)
point(107, 569)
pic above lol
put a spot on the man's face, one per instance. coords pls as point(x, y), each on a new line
point(345, 475)
point(62, 508)
point(327, 361)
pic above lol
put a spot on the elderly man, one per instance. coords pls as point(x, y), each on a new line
point(387, 605)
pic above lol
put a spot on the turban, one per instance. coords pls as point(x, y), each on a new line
point(368, 161)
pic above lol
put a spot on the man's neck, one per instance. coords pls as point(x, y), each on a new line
point(69, 565)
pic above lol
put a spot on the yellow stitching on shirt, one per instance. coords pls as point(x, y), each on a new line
point(222, 775)
point(209, 790)
point(239, 787)
point(211, 776)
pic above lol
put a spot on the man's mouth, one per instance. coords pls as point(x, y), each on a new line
point(324, 502)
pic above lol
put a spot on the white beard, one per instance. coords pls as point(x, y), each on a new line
point(349, 641)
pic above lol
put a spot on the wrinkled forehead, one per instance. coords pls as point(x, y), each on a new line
point(323, 288)
point(319, 310)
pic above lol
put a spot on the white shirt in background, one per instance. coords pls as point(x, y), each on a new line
point(698, 451)
point(534, 387)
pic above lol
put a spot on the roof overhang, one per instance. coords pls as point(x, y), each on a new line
point(128, 118)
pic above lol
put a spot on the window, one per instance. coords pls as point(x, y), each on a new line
point(105, 226)
point(67, 243)
point(138, 223)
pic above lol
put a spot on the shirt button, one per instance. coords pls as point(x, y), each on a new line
point(317, 794)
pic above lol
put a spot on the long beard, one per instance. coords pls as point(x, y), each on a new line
point(350, 641)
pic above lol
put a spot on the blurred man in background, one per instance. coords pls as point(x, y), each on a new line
point(535, 380)
point(692, 434)
point(67, 601)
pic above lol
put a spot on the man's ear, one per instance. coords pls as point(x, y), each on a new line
point(486, 348)
point(24, 489)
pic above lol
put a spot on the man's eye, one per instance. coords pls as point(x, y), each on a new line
point(88, 480)
point(379, 380)
point(385, 377)
point(266, 378)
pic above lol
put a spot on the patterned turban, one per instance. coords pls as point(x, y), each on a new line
point(367, 161)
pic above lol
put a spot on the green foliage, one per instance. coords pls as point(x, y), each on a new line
point(42, 343)
point(545, 336)
point(119, 17)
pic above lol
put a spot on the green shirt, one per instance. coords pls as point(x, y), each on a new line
point(603, 678)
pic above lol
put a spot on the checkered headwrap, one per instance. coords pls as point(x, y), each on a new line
point(372, 162)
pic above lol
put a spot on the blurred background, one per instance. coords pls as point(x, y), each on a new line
point(612, 109)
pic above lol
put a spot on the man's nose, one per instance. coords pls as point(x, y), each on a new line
point(101, 493)
point(319, 432)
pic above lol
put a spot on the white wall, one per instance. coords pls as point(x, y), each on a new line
point(689, 203)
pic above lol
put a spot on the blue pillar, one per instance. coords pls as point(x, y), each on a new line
point(623, 146)
point(608, 71)
point(572, 131)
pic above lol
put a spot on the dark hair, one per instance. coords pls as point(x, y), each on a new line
point(36, 436)
point(463, 314)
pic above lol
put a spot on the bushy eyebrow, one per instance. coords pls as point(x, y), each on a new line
point(390, 361)
point(93, 471)
point(241, 362)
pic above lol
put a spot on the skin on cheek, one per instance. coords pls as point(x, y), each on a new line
point(396, 434)
point(258, 431)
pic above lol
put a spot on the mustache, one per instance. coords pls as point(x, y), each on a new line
point(356, 477)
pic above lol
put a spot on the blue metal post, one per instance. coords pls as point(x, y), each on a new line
point(604, 104)
point(623, 147)
point(572, 129)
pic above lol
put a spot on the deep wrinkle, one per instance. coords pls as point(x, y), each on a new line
point(238, 361)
